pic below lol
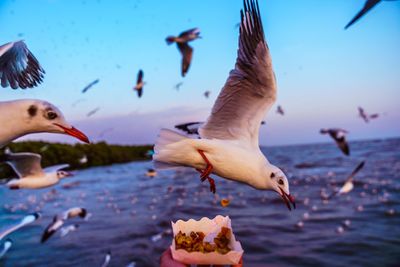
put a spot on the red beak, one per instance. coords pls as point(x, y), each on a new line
point(75, 133)
point(288, 199)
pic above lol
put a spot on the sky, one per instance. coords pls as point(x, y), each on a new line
point(323, 71)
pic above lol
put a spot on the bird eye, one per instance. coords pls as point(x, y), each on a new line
point(280, 182)
point(51, 115)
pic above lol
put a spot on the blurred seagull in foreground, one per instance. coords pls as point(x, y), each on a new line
point(186, 50)
point(229, 145)
point(18, 66)
point(25, 221)
point(339, 135)
point(6, 246)
point(348, 185)
point(280, 110)
point(369, 4)
point(21, 117)
point(29, 170)
point(139, 83)
point(366, 117)
point(60, 219)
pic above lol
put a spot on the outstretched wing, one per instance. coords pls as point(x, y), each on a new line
point(369, 4)
point(139, 77)
point(25, 164)
point(189, 32)
point(355, 171)
point(55, 168)
point(18, 66)
point(250, 90)
point(187, 54)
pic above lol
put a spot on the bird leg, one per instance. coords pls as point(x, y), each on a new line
point(205, 174)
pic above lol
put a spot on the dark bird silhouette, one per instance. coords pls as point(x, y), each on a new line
point(365, 116)
point(139, 83)
point(339, 135)
point(280, 110)
point(84, 90)
point(18, 66)
point(369, 4)
point(186, 50)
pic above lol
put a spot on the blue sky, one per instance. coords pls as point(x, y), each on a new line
point(323, 71)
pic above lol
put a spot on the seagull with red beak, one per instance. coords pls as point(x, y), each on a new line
point(229, 140)
point(22, 117)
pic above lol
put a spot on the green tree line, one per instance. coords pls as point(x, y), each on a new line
point(98, 154)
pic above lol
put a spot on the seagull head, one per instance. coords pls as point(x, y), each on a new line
point(42, 116)
point(279, 183)
point(63, 174)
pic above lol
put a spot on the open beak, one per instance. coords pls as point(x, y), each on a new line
point(74, 132)
point(288, 199)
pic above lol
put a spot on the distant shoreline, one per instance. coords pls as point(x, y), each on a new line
point(97, 154)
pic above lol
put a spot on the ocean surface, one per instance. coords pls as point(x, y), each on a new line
point(131, 213)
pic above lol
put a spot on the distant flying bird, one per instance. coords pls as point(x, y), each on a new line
point(280, 110)
point(60, 219)
point(24, 222)
point(339, 135)
point(186, 50)
point(348, 184)
point(78, 101)
point(178, 86)
point(84, 90)
point(18, 66)
point(21, 117)
point(229, 145)
point(366, 117)
point(369, 4)
point(107, 259)
point(30, 173)
point(92, 112)
point(65, 230)
point(6, 246)
point(207, 94)
point(139, 83)
point(190, 127)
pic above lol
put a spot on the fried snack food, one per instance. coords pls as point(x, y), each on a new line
point(225, 202)
point(195, 242)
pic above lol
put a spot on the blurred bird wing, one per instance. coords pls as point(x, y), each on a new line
point(187, 53)
point(355, 171)
point(139, 77)
point(250, 90)
point(190, 127)
point(25, 164)
point(56, 168)
point(369, 4)
point(189, 32)
point(19, 67)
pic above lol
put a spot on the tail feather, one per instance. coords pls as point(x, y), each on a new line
point(161, 150)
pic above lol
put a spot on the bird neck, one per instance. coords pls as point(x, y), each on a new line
point(13, 123)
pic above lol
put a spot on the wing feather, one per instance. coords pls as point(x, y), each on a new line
point(250, 90)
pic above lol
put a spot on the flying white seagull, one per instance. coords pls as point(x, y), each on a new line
point(25, 221)
point(18, 66)
point(348, 184)
point(107, 259)
point(29, 170)
point(60, 219)
point(229, 139)
point(22, 117)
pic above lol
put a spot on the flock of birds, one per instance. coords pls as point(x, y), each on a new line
point(226, 144)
